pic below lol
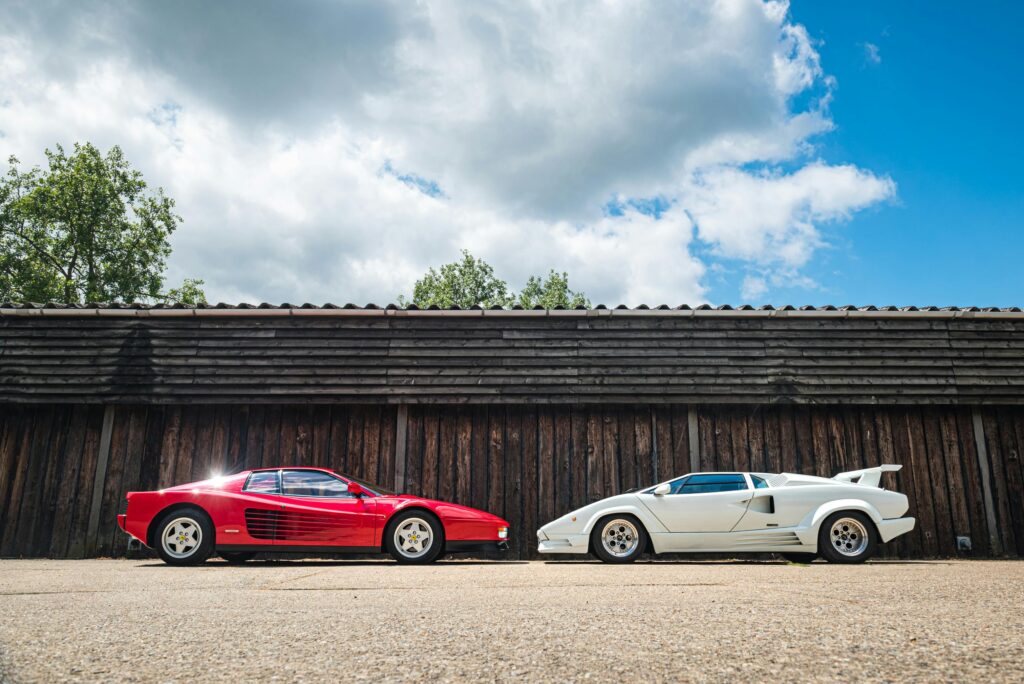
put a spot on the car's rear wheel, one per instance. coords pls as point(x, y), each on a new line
point(618, 539)
point(185, 537)
point(847, 537)
point(414, 537)
point(800, 557)
point(236, 558)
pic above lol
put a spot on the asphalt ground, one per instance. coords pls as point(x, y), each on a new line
point(139, 620)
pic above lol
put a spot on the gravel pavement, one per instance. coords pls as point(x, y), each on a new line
point(139, 620)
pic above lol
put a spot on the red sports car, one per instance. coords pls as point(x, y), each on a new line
point(307, 510)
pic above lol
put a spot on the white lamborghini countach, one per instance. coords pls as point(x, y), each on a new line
point(801, 517)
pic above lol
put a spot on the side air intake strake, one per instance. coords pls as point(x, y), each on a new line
point(277, 525)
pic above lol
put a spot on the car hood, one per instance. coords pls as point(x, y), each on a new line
point(566, 524)
point(447, 509)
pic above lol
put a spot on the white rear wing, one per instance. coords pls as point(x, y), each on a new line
point(868, 476)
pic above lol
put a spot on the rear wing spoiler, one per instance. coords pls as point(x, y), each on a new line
point(868, 476)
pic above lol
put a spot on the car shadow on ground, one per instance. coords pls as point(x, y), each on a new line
point(737, 561)
point(218, 563)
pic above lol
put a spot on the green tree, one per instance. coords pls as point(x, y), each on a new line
point(466, 283)
point(471, 282)
point(190, 292)
point(85, 229)
point(551, 293)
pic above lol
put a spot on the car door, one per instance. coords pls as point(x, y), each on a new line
point(260, 508)
point(317, 510)
point(705, 502)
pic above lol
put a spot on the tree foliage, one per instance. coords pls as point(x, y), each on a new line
point(471, 282)
point(552, 292)
point(85, 229)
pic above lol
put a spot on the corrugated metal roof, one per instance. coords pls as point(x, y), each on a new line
point(128, 308)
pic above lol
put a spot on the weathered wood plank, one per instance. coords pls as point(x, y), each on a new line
point(463, 456)
point(936, 459)
point(521, 539)
point(431, 455)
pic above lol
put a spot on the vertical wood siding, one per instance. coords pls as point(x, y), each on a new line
point(528, 464)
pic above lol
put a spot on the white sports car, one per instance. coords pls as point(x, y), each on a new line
point(802, 517)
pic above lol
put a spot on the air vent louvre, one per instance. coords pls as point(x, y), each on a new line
point(288, 525)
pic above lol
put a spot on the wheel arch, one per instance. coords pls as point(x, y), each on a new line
point(812, 522)
point(163, 512)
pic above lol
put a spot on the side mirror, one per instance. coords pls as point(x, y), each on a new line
point(355, 489)
point(663, 489)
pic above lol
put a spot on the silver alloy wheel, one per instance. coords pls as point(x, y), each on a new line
point(413, 537)
point(619, 538)
point(848, 537)
point(182, 536)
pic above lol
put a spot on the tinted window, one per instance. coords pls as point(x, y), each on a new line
point(706, 484)
point(263, 483)
point(678, 484)
point(312, 483)
point(759, 482)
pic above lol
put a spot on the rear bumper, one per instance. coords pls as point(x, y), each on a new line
point(122, 522)
point(890, 529)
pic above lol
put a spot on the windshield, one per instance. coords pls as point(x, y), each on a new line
point(375, 488)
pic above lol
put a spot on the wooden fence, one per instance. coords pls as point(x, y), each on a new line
point(64, 469)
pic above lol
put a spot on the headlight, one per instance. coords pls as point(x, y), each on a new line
point(502, 533)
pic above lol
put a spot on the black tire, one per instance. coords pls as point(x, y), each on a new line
point(802, 558)
point(190, 519)
point(852, 543)
point(422, 520)
point(237, 558)
point(623, 528)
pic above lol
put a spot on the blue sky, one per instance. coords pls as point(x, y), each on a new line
point(687, 152)
point(941, 114)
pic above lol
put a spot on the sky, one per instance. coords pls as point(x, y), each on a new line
point(737, 151)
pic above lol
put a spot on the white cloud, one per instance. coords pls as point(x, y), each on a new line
point(273, 130)
point(872, 54)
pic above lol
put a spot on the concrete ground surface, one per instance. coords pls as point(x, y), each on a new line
point(139, 620)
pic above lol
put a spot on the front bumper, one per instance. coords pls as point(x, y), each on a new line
point(476, 546)
point(890, 529)
point(563, 543)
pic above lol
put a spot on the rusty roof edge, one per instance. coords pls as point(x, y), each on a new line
point(124, 311)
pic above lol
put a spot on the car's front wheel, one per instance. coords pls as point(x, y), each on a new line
point(185, 537)
point(618, 539)
point(847, 537)
point(414, 537)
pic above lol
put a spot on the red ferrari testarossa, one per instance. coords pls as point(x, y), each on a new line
point(302, 510)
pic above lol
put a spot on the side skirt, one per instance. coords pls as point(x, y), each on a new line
point(281, 548)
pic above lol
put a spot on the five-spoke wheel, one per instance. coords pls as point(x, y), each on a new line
point(185, 537)
point(414, 537)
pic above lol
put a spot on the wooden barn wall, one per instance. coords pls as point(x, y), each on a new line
point(529, 464)
point(595, 358)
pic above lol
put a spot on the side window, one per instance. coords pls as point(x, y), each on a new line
point(759, 482)
point(312, 483)
point(264, 482)
point(707, 484)
point(678, 484)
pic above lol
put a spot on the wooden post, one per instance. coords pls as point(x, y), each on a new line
point(100, 479)
point(691, 416)
point(654, 445)
point(986, 485)
point(400, 440)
